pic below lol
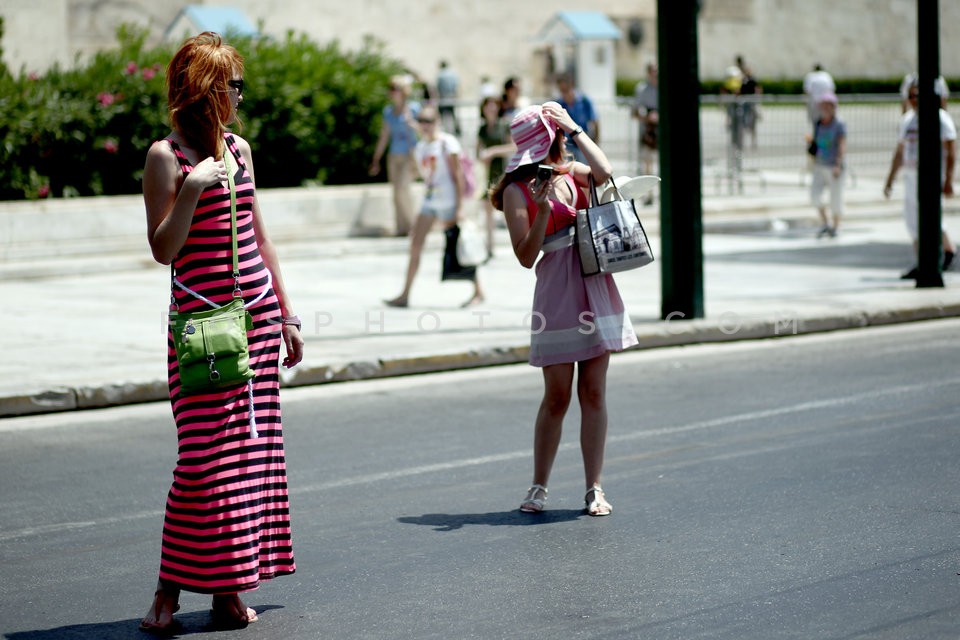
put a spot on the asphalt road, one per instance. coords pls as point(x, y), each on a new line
point(804, 487)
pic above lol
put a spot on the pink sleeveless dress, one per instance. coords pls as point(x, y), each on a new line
point(575, 318)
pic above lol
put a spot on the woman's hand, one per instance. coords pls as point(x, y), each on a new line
point(293, 342)
point(557, 114)
point(208, 173)
point(542, 194)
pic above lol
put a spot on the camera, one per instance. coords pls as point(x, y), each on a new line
point(544, 173)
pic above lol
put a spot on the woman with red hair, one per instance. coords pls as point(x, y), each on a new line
point(227, 525)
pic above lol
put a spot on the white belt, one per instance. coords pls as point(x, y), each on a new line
point(559, 240)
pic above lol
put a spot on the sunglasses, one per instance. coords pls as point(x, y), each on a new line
point(236, 84)
point(427, 121)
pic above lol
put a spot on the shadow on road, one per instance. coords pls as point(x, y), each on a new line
point(193, 622)
point(514, 518)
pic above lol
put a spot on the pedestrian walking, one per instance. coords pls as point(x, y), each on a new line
point(581, 109)
point(438, 159)
point(830, 140)
point(733, 106)
point(398, 137)
point(646, 110)
point(750, 90)
point(512, 99)
point(905, 157)
point(577, 321)
point(448, 90)
point(494, 146)
point(231, 471)
point(911, 80)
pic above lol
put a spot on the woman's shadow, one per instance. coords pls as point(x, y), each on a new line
point(515, 518)
point(193, 622)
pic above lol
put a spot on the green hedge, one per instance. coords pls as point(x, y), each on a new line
point(310, 112)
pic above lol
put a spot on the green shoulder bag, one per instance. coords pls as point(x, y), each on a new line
point(212, 348)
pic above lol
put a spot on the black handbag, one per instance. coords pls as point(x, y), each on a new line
point(812, 149)
point(452, 269)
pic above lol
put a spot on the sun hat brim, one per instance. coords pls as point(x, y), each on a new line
point(533, 133)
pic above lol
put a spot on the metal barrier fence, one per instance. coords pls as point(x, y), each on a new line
point(732, 158)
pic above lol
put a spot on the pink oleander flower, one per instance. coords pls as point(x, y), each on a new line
point(148, 73)
point(43, 191)
point(131, 68)
point(110, 145)
point(33, 76)
point(106, 99)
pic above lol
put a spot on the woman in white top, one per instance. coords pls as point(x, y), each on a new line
point(438, 159)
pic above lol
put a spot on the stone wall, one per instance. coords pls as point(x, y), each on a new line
point(780, 38)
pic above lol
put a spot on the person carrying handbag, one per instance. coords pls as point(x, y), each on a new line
point(576, 321)
point(203, 218)
point(438, 158)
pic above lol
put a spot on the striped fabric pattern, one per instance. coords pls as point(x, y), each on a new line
point(227, 521)
point(533, 134)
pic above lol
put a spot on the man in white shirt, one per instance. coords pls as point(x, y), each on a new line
point(906, 157)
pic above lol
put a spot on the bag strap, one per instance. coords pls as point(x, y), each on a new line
point(594, 200)
point(228, 162)
point(237, 293)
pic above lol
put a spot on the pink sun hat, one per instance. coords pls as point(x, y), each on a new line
point(533, 133)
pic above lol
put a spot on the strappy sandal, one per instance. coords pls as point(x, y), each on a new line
point(533, 504)
point(599, 505)
point(229, 613)
point(162, 630)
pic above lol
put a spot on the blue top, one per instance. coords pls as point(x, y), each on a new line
point(581, 110)
point(403, 137)
point(583, 113)
point(828, 138)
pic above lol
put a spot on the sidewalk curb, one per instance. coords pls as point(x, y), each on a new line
point(652, 336)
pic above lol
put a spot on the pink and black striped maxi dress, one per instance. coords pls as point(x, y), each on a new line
point(227, 521)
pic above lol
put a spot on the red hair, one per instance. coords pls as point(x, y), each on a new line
point(197, 98)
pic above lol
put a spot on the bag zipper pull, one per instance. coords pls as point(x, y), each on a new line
point(188, 331)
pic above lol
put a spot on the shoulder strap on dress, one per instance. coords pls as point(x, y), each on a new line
point(580, 201)
point(531, 205)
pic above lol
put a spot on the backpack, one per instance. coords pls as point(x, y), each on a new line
point(469, 175)
point(469, 185)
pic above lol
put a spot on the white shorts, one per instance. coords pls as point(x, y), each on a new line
point(823, 178)
point(910, 202)
point(441, 213)
point(910, 206)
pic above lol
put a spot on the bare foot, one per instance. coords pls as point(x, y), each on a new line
point(399, 301)
point(159, 619)
point(229, 612)
point(476, 299)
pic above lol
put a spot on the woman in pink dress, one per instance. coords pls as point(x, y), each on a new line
point(576, 319)
point(227, 522)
